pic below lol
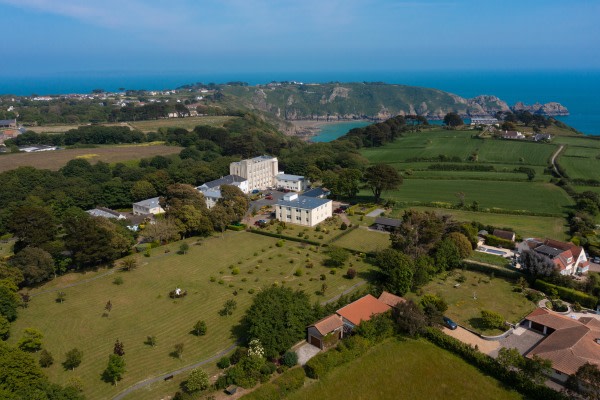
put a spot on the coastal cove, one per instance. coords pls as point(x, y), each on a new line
point(331, 131)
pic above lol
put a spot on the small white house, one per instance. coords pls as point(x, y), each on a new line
point(302, 210)
point(148, 206)
point(297, 183)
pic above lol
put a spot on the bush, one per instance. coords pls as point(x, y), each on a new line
point(290, 359)
point(492, 320)
point(344, 226)
point(492, 240)
point(351, 274)
point(567, 294)
point(118, 280)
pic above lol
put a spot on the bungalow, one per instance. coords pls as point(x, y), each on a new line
point(386, 224)
point(361, 310)
point(8, 123)
point(506, 235)
point(568, 258)
point(106, 213)
point(514, 135)
point(319, 192)
point(301, 210)
point(297, 183)
point(148, 206)
point(569, 343)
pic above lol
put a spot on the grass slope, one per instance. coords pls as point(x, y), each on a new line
point(364, 240)
point(185, 123)
point(406, 370)
point(141, 306)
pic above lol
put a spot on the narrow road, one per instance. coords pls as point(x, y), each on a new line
point(553, 159)
point(162, 377)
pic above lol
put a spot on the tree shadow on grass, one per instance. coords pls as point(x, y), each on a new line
point(372, 275)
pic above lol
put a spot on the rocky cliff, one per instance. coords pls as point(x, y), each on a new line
point(377, 101)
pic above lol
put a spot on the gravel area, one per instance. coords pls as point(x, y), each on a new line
point(306, 352)
point(485, 346)
point(521, 339)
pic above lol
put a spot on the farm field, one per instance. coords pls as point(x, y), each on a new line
point(141, 306)
point(581, 163)
point(64, 128)
point(54, 160)
point(532, 197)
point(185, 123)
point(523, 225)
point(405, 370)
point(364, 240)
point(432, 144)
point(478, 292)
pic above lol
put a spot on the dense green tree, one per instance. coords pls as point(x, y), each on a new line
point(382, 177)
point(197, 380)
point(115, 369)
point(409, 318)
point(537, 369)
point(348, 183)
point(586, 382)
point(36, 264)
point(447, 255)
point(46, 359)
point(162, 231)
point(536, 265)
point(397, 270)
point(9, 300)
point(462, 243)
point(33, 225)
point(492, 320)
point(200, 328)
point(419, 232)
point(73, 358)
point(278, 317)
point(4, 328)
point(453, 120)
point(11, 273)
point(31, 340)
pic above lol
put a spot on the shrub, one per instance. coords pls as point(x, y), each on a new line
point(118, 280)
point(431, 300)
point(344, 226)
point(492, 320)
point(290, 359)
point(299, 272)
point(235, 271)
point(280, 243)
point(351, 274)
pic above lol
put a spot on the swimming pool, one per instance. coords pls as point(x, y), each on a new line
point(492, 251)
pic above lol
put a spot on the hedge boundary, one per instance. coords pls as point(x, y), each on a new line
point(567, 294)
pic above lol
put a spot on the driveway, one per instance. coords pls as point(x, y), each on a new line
point(306, 352)
point(521, 339)
point(484, 346)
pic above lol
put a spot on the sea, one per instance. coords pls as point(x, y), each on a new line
point(578, 90)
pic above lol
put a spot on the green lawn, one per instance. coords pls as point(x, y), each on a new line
point(524, 196)
point(523, 225)
point(461, 144)
point(406, 369)
point(478, 292)
point(141, 306)
point(322, 233)
point(580, 162)
point(364, 240)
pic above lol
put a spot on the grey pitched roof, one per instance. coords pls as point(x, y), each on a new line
point(303, 202)
point(150, 203)
point(388, 221)
point(548, 251)
point(225, 180)
point(7, 122)
point(317, 192)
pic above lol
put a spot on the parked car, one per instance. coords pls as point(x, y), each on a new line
point(255, 191)
point(269, 197)
point(597, 260)
point(450, 324)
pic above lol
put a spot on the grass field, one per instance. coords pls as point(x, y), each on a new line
point(185, 123)
point(110, 154)
point(406, 370)
point(532, 197)
point(478, 292)
point(141, 306)
point(461, 144)
point(364, 240)
point(524, 225)
point(580, 162)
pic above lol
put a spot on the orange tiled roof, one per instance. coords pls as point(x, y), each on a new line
point(362, 309)
point(391, 299)
point(571, 345)
point(328, 324)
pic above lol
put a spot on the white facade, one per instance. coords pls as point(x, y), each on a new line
point(211, 196)
point(149, 206)
point(296, 183)
point(301, 210)
point(259, 171)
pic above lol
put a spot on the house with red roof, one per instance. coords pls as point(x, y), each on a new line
point(568, 258)
point(327, 331)
point(569, 343)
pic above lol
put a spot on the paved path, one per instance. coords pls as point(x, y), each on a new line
point(162, 377)
point(553, 159)
point(345, 292)
point(375, 213)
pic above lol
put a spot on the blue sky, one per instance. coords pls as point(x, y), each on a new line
point(79, 36)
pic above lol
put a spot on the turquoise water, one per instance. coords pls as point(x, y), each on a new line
point(578, 90)
point(333, 131)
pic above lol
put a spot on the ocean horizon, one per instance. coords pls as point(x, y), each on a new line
point(579, 90)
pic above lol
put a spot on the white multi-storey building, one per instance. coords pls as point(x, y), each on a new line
point(259, 171)
point(302, 210)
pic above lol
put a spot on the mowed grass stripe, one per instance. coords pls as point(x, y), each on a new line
point(141, 306)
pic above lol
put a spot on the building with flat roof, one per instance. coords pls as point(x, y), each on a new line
point(259, 171)
point(148, 206)
point(297, 183)
point(302, 210)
